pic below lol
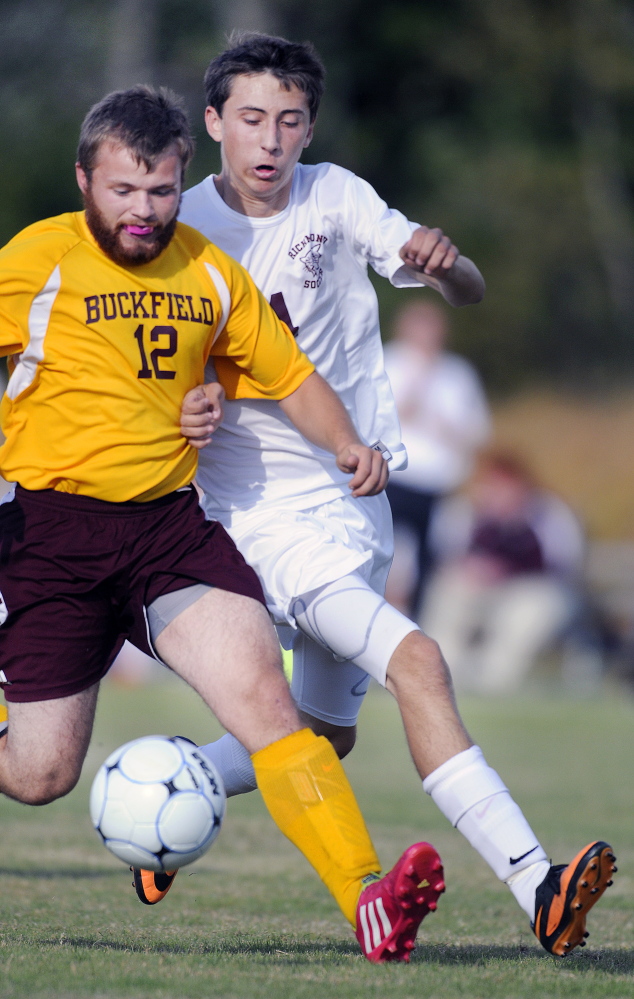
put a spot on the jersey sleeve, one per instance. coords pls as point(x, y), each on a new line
point(16, 295)
point(377, 232)
point(255, 355)
point(28, 268)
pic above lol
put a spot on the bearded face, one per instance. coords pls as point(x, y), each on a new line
point(131, 211)
point(143, 243)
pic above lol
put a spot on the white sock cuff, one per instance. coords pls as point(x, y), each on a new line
point(233, 764)
point(462, 782)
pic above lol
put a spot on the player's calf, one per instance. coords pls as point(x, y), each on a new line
point(45, 745)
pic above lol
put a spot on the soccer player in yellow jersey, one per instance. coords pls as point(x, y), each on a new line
point(108, 317)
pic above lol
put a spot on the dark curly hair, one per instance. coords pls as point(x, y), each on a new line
point(292, 63)
point(144, 120)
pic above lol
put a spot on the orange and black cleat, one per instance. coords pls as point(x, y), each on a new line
point(390, 909)
point(152, 886)
point(567, 894)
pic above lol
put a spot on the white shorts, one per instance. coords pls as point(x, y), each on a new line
point(297, 551)
point(333, 561)
point(322, 685)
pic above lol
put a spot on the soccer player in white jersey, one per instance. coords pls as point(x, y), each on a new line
point(306, 234)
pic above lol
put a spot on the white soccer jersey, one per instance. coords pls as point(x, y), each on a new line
point(310, 261)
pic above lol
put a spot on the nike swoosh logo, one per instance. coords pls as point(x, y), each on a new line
point(516, 860)
point(481, 812)
point(359, 690)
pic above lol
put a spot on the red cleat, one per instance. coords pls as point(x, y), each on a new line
point(391, 909)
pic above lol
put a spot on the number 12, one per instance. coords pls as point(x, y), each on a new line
point(145, 370)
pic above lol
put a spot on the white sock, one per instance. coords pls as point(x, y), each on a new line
point(525, 883)
point(476, 801)
point(233, 763)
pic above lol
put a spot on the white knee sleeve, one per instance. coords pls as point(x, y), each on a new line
point(357, 624)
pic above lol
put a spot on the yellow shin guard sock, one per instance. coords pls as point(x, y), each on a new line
point(308, 795)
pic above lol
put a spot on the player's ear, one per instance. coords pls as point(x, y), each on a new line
point(309, 135)
point(82, 179)
point(213, 124)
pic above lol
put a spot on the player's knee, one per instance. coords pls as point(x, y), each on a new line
point(268, 689)
point(341, 737)
point(41, 789)
point(418, 660)
point(343, 740)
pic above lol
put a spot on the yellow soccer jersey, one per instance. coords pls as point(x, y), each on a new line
point(102, 356)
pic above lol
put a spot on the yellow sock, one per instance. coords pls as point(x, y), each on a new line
point(308, 795)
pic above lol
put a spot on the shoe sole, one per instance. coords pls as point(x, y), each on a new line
point(151, 893)
point(582, 888)
point(417, 888)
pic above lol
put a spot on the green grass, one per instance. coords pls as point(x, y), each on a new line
point(251, 919)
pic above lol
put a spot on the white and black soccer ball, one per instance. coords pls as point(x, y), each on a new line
point(157, 802)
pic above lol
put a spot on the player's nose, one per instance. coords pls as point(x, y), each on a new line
point(271, 139)
point(142, 206)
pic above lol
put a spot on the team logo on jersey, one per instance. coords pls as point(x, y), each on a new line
point(312, 263)
point(313, 243)
point(4, 613)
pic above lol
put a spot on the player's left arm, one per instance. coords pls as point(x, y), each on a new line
point(432, 259)
point(318, 413)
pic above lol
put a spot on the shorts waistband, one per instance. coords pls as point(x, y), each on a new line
point(78, 503)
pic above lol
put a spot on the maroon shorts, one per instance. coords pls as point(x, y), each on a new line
point(76, 575)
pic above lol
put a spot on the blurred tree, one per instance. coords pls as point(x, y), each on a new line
point(473, 116)
point(132, 44)
point(603, 169)
point(50, 55)
point(506, 122)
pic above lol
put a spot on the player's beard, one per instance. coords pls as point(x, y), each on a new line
point(108, 239)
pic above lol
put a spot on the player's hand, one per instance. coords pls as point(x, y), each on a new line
point(201, 413)
point(430, 252)
point(369, 467)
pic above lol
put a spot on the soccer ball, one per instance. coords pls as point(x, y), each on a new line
point(157, 803)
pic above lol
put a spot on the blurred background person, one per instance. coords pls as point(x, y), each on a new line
point(132, 668)
point(444, 419)
point(509, 577)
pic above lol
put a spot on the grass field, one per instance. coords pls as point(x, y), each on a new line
point(251, 919)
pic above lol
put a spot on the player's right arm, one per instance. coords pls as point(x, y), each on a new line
point(18, 289)
point(29, 280)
